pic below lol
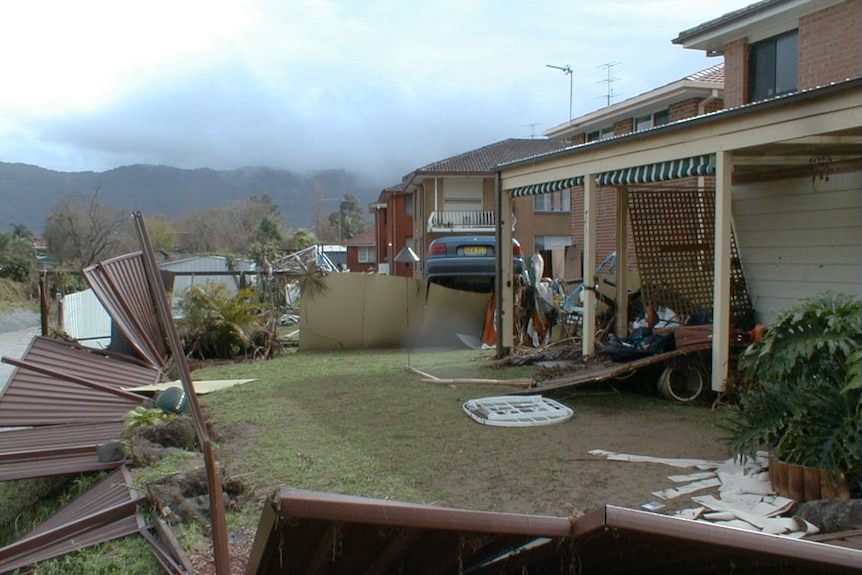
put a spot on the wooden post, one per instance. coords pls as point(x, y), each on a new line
point(721, 271)
point(622, 270)
point(589, 271)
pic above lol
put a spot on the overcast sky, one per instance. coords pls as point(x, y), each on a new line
point(379, 86)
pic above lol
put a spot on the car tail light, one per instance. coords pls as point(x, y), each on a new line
point(436, 249)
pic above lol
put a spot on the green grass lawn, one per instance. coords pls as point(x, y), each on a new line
point(360, 423)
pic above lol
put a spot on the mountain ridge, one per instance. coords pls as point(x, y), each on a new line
point(28, 193)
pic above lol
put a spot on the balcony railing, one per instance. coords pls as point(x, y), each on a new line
point(453, 221)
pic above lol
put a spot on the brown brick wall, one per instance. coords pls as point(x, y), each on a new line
point(713, 106)
point(683, 110)
point(736, 73)
point(625, 126)
point(830, 45)
point(830, 50)
point(606, 209)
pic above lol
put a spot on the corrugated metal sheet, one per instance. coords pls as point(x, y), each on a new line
point(121, 285)
point(55, 450)
point(60, 382)
point(105, 512)
point(322, 533)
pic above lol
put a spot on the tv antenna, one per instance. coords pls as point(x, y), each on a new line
point(533, 129)
point(609, 66)
point(567, 70)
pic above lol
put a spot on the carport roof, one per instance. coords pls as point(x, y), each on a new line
point(774, 153)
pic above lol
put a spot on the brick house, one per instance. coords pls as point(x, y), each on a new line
point(361, 253)
point(393, 227)
point(456, 196)
point(783, 160)
point(697, 94)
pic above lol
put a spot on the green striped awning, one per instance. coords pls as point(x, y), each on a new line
point(670, 170)
point(546, 187)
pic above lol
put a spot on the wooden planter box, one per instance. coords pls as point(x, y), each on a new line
point(804, 483)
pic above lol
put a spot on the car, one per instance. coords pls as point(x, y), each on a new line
point(468, 263)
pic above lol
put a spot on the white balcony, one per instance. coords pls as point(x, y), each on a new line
point(462, 221)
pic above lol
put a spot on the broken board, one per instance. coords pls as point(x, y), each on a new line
point(524, 411)
point(611, 370)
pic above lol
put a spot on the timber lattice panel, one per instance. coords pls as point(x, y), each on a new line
point(674, 242)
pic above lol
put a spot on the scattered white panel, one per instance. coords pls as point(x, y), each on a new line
point(517, 411)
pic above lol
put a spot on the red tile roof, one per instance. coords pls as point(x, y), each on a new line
point(712, 74)
point(486, 158)
point(366, 239)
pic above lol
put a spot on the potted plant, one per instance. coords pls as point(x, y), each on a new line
point(802, 398)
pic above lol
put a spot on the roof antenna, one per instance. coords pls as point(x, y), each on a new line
point(609, 66)
point(567, 70)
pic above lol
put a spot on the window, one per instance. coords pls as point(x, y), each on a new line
point(548, 242)
point(559, 201)
point(773, 66)
point(366, 254)
point(462, 194)
point(408, 205)
point(651, 120)
point(600, 134)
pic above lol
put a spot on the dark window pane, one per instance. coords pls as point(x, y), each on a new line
point(661, 118)
point(786, 59)
point(762, 70)
point(773, 66)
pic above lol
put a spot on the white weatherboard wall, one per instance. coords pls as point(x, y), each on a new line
point(799, 238)
point(86, 320)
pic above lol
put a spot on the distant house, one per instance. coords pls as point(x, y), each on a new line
point(695, 95)
point(361, 254)
point(456, 196)
point(393, 227)
point(195, 270)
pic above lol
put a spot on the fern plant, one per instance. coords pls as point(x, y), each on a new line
point(804, 402)
point(215, 323)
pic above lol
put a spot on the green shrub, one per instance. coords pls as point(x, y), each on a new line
point(216, 324)
point(804, 398)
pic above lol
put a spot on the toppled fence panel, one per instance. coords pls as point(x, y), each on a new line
point(121, 285)
point(55, 450)
point(105, 512)
point(59, 382)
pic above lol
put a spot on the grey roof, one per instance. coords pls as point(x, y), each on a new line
point(485, 159)
point(726, 19)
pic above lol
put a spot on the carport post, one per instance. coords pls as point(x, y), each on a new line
point(503, 295)
point(622, 265)
point(589, 271)
point(721, 272)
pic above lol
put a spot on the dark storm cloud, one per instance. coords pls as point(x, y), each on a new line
point(226, 118)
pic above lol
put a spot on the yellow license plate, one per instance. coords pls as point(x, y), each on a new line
point(475, 250)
